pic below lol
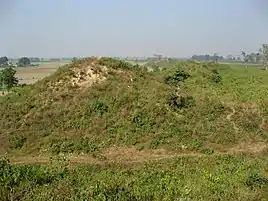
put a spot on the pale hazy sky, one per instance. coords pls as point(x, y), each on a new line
point(54, 28)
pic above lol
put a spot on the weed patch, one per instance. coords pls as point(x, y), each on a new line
point(211, 178)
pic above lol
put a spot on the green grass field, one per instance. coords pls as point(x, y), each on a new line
point(102, 129)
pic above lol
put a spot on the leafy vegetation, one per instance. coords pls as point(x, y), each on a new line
point(23, 62)
point(178, 76)
point(3, 61)
point(8, 78)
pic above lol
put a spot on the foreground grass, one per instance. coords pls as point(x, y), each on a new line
point(227, 177)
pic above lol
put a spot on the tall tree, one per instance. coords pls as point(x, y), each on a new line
point(258, 57)
point(264, 55)
point(23, 62)
point(245, 58)
point(34, 59)
point(3, 61)
point(7, 78)
point(252, 57)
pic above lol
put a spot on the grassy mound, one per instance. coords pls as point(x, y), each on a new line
point(93, 104)
point(203, 124)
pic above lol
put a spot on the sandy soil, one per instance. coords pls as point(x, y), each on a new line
point(30, 75)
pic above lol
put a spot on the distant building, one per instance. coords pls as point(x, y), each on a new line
point(55, 59)
point(158, 56)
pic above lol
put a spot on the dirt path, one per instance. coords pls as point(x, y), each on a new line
point(229, 118)
point(124, 155)
point(262, 124)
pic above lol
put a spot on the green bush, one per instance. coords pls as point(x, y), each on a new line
point(179, 102)
point(255, 180)
point(155, 143)
point(17, 141)
point(177, 77)
point(140, 147)
point(215, 76)
point(100, 107)
point(207, 151)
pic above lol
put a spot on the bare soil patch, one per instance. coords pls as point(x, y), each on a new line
point(129, 155)
point(30, 75)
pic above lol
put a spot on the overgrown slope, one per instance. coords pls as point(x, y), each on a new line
point(93, 104)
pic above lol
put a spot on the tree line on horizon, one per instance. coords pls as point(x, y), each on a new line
point(25, 61)
point(22, 62)
point(258, 57)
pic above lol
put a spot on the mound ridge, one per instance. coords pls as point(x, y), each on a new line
point(93, 104)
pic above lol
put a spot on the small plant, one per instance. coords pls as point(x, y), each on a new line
point(140, 147)
point(215, 76)
point(100, 107)
point(17, 141)
point(81, 124)
point(207, 151)
point(196, 145)
point(255, 180)
point(137, 118)
point(87, 145)
point(155, 143)
point(180, 102)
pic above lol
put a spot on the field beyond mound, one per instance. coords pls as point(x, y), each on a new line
point(114, 117)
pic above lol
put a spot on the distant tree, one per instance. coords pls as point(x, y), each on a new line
point(221, 58)
point(258, 57)
point(245, 58)
point(215, 57)
point(252, 57)
point(229, 57)
point(7, 78)
point(23, 62)
point(207, 57)
point(194, 57)
point(3, 61)
point(35, 59)
point(264, 55)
